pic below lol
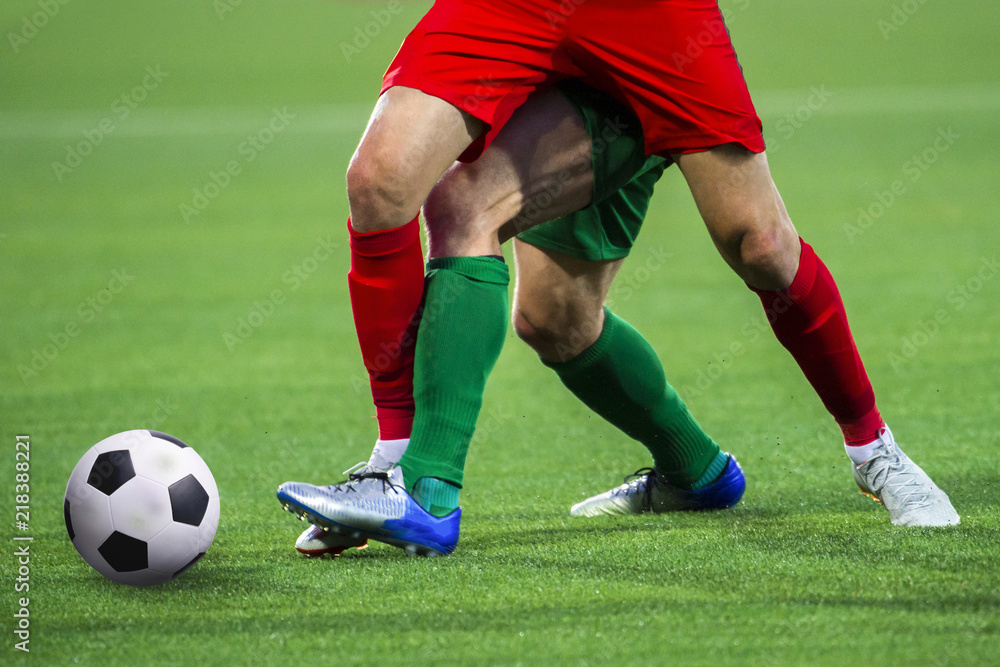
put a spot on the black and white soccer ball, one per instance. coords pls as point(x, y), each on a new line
point(141, 507)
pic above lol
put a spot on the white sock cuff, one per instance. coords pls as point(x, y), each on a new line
point(387, 453)
point(861, 453)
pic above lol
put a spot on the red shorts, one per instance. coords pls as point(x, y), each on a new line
point(670, 61)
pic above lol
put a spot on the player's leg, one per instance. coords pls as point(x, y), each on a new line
point(415, 133)
point(465, 294)
point(483, 59)
point(565, 268)
point(465, 312)
point(542, 165)
point(694, 101)
point(411, 139)
point(559, 311)
point(748, 223)
point(435, 102)
point(589, 348)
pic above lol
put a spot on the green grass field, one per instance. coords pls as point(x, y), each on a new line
point(163, 100)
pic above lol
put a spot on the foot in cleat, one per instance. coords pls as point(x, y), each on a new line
point(373, 505)
point(905, 490)
point(317, 541)
point(645, 491)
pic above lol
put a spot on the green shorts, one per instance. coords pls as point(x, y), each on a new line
point(624, 177)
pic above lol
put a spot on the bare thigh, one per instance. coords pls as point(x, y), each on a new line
point(537, 169)
point(744, 213)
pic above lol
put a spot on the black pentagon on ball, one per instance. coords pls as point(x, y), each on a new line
point(111, 470)
point(188, 500)
point(188, 566)
point(124, 553)
point(69, 520)
point(169, 438)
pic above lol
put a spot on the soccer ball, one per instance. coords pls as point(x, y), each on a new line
point(141, 507)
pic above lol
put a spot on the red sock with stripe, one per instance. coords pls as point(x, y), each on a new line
point(809, 319)
point(386, 283)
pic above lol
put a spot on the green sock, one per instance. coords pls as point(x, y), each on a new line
point(436, 495)
point(461, 333)
point(620, 378)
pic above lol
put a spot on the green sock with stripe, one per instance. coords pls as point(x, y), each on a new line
point(461, 333)
point(620, 378)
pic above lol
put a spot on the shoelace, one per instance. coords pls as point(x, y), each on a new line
point(362, 471)
point(642, 476)
point(380, 475)
point(352, 476)
point(908, 489)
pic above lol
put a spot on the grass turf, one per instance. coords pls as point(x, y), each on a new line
point(805, 571)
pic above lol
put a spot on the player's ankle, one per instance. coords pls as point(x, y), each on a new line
point(713, 472)
point(387, 453)
point(692, 480)
point(436, 495)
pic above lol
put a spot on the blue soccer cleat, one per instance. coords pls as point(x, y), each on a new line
point(645, 491)
point(373, 505)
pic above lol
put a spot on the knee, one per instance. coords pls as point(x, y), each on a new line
point(534, 336)
point(448, 211)
point(459, 220)
point(553, 337)
point(769, 256)
point(380, 196)
point(760, 243)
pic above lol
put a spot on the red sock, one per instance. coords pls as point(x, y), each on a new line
point(808, 318)
point(386, 282)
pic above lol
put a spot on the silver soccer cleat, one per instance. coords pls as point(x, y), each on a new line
point(905, 490)
point(316, 541)
point(645, 491)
